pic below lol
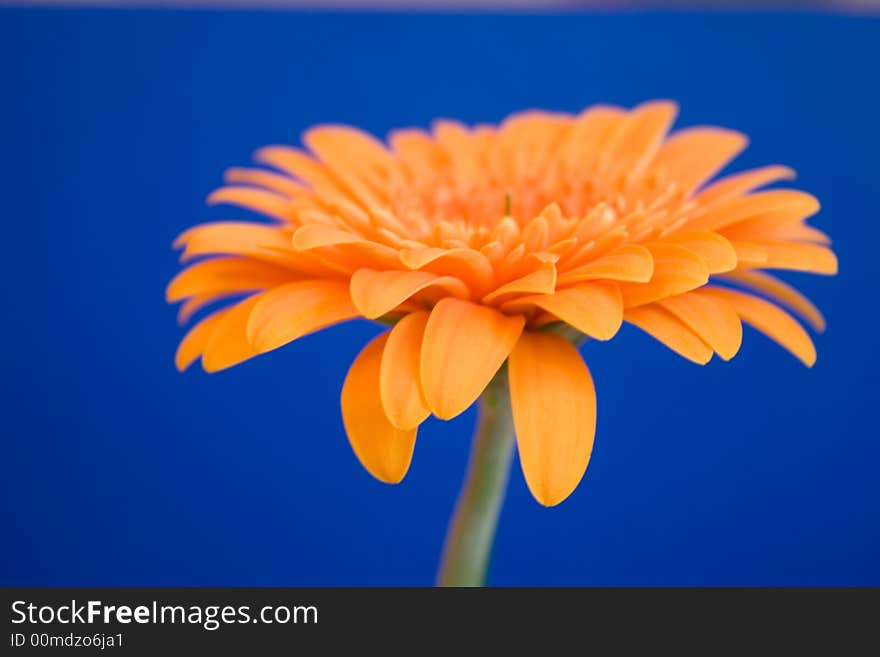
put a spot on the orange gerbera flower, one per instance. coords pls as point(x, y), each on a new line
point(491, 245)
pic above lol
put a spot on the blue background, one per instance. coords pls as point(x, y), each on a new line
point(117, 470)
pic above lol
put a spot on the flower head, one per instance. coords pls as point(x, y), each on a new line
point(478, 244)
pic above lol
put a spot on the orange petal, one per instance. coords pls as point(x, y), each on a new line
point(671, 331)
point(375, 293)
point(466, 264)
point(463, 347)
point(232, 237)
point(676, 270)
point(693, 155)
point(774, 205)
point(226, 276)
point(771, 321)
point(780, 292)
point(254, 199)
point(741, 183)
point(228, 344)
point(273, 182)
point(639, 135)
point(554, 413)
point(382, 449)
point(293, 310)
point(590, 133)
point(718, 254)
point(749, 254)
point(399, 383)
point(791, 232)
point(314, 236)
point(711, 318)
point(540, 281)
point(631, 262)
point(303, 167)
point(780, 255)
point(595, 309)
point(194, 304)
point(193, 343)
point(347, 147)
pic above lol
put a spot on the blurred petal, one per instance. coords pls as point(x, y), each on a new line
point(639, 136)
point(780, 292)
point(254, 199)
point(741, 183)
point(232, 237)
point(193, 343)
point(813, 258)
point(772, 205)
point(315, 236)
point(228, 344)
point(226, 276)
point(693, 155)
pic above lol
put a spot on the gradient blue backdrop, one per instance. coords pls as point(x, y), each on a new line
point(117, 470)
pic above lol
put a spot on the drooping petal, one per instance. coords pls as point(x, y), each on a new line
point(463, 347)
point(375, 293)
point(771, 321)
point(554, 413)
point(671, 331)
point(399, 382)
point(293, 310)
point(711, 318)
point(384, 450)
point(228, 344)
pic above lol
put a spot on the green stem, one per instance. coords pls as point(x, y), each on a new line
point(472, 529)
